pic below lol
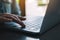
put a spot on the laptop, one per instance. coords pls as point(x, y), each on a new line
point(40, 25)
point(33, 24)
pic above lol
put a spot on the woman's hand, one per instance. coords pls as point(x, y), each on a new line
point(11, 17)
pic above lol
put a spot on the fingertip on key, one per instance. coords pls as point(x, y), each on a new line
point(23, 26)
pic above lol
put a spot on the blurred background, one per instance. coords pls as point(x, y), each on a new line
point(36, 7)
point(33, 7)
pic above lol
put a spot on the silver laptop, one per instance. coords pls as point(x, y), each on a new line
point(42, 24)
point(33, 24)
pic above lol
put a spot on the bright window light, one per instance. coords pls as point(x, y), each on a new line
point(32, 8)
point(43, 2)
point(17, 1)
point(46, 1)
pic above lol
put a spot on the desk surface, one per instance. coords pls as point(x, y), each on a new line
point(7, 35)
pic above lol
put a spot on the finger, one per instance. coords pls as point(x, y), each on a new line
point(10, 16)
point(7, 20)
point(22, 18)
point(21, 23)
point(3, 19)
point(13, 16)
point(18, 20)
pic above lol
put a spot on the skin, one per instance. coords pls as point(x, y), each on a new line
point(12, 18)
point(6, 17)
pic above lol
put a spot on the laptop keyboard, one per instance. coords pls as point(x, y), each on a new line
point(33, 25)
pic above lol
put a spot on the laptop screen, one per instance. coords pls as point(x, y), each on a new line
point(52, 16)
